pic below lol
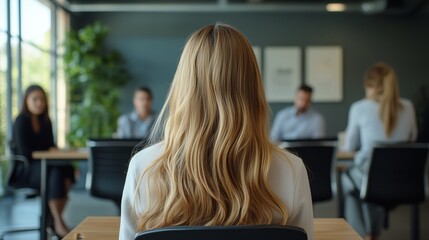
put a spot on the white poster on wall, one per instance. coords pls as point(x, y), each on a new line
point(258, 54)
point(282, 73)
point(324, 72)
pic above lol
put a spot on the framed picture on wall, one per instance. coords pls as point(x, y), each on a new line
point(258, 54)
point(324, 72)
point(282, 73)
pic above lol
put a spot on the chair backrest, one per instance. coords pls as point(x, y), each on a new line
point(18, 168)
point(251, 232)
point(107, 166)
point(318, 156)
point(397, 174)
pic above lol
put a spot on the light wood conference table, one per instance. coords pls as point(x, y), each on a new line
point(82, 154)
point(60, 156)
point(47, 158)
point(107, 228)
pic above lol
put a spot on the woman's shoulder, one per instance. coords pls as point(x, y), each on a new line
point(286, 164)
point(363, 103)
point(145, 157)
point(22, 117)
point(363, 106)
point(286, 176)
point(406, 103)
point(22, 120)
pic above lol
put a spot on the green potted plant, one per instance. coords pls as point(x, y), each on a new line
point(95, 76)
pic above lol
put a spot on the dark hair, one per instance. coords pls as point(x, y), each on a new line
point(28, 91)
point(305, 88)
point(146, 90)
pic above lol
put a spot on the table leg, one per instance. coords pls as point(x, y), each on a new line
point(340, 194)
point(44, 202)
point(415, 222)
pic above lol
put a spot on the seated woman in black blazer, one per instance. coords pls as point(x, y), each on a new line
point(33, 132)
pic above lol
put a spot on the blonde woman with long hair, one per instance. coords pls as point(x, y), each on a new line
point(381, 117)
point(215, 164)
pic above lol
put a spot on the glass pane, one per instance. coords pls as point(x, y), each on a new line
point(14, 17)
point(35, 67)
point(3, 15)
point(3, 118)
point(15, 90)
point(36, 23)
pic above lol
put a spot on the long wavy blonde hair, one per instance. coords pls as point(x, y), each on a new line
point(382, 78)
point(217, 153)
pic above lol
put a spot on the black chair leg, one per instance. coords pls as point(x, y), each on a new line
point(415, 222)
point(340, 194)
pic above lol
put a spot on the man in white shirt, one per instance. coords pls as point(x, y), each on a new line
point(138, 123)
point(299, 121)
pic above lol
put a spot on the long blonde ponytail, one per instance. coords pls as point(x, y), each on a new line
point(217, 153)
point(382, 78)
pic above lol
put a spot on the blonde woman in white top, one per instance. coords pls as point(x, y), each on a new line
point(215, 164)
point(381, 117)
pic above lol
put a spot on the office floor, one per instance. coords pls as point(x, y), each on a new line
point(26, 213)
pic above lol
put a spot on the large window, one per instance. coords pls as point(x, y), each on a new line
point(3, 67)
point(35, 52)
point(36, 45)
point(3, 105)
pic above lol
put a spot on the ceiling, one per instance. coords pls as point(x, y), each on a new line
point(210, 1)
point(402, 7)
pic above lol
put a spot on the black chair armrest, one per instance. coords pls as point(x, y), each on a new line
point(20, 158)
point(15, 169)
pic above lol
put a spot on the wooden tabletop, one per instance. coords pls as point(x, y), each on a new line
point(341, 155)
point(79, 154)
point(107, 228)
point(69, 154)
point(96, 228)
point(334, 229)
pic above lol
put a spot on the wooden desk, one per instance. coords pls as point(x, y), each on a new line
point(107, 228)
point(53, 157)
point(341, 155)
point(334, 229)
point(75, 154)
point(94, 228)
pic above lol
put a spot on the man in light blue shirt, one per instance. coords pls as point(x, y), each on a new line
point(298, 121)
point(138, 123)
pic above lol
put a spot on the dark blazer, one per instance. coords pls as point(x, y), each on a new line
point(26, 140)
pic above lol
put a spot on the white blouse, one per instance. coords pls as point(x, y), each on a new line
point(288, 180)
point(365, 128)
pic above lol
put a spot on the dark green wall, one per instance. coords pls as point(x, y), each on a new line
point(151, 44)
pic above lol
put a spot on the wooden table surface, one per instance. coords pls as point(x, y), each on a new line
point(345, 155)
point(334, 229)
point(83, 154)
point(107, 228)
point(63, 154)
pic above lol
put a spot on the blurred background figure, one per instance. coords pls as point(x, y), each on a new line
point(382, 116)
point(33, 132)
point(138, 123)
point(298, 121)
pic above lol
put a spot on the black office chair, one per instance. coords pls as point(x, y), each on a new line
point(319, 156)
point(107, 167)
point(398, 174)
point(18, 166)
point(255, 232)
